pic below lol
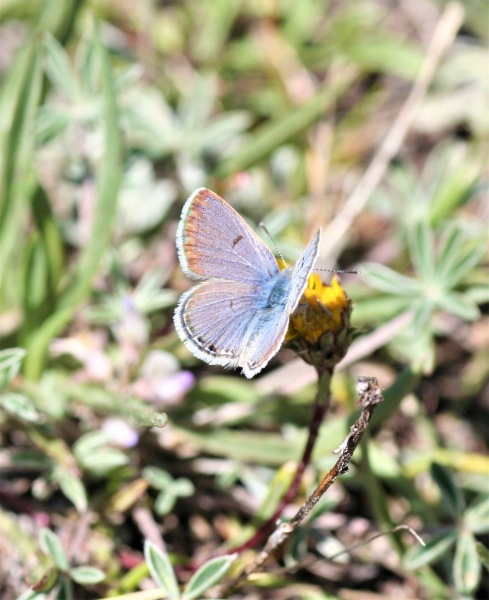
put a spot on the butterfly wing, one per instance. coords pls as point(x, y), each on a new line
point(302, 269)
point(213, 317)
point(265, 336)
point(214, 242)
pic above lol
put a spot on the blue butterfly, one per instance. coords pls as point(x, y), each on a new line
point(237, 316)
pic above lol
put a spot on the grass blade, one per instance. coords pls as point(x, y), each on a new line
point(108, 181)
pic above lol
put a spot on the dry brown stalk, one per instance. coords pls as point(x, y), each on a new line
point(370, 396)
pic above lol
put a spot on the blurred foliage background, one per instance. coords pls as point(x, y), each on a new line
point(112, 436)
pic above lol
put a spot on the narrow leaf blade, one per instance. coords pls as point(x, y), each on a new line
point(207, 576)
point(161, 570)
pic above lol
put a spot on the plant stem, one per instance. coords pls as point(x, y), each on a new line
point(321, 405)
point(370, 396)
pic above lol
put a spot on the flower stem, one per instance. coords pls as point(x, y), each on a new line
point(321, 405)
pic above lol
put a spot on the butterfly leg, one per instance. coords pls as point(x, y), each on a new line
point(305, 315)
point(324, 308)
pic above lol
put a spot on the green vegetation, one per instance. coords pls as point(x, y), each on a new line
point(127, 465)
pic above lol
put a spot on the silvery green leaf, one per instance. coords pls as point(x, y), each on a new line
point(459, 305)
point(161, 570)
point(32, 595)
point(451, 245)
point(104, 460)
point(483, 553)
point(478, 294)
point(50, 123)
point(59, 69)
point(157, 478)
point(51, 544)
point(452, 494)
point(128, 77)
point(465, 264)
point(435, 548)
point(221, 132)
point(183, 487)
point(143, 201)
point(423, 309)
point(72, 487)
point(165, 501)
point(476, 517)
point(387, 280)
point(86, 575)
point(19, 405)
point(90, 442)
point(466, 564)
point(196, 106)
point(10, 361)
point(423, 250)
point(207, 576)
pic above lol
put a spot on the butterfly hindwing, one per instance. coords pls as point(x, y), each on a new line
point(213, 317)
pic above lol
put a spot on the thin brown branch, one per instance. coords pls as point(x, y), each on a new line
point(445, 32)
point(308, 563)
point(370, 396)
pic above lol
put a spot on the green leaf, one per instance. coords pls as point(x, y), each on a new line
point(165, 501)
point(86, 575)
point(207, 576)
point(451, 246)
point(19, 405)
point(476, 517)
point(104, 460)
point(72, 487)
point(465, 264)
point(466, 564)
point(19, 109)
point(423, 251)
point(161, 569)
point(51, 544)
point(157, 478)
point(59, 69)
point(387, 280)
point(483, 553)
point(10, 361)
point(32, 595)
point(90, 442)
point(423, 309)
point(460, 305)
point(108, 183)
point(435, 548)
point(183, 487)
point(452, 494)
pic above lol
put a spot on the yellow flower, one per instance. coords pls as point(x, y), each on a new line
point(319, 329)
point(321, 311)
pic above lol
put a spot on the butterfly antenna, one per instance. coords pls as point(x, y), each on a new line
point(336, 271)
point(265, 229)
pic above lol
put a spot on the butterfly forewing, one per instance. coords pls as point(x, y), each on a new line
point(214, 242)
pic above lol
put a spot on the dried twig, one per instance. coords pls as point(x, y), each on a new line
point(370, 396)
point(308, 563)
point(445, 32)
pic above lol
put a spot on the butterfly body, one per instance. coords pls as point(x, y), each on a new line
point(238, 313)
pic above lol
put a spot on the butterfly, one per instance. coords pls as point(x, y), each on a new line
point(238, 313)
